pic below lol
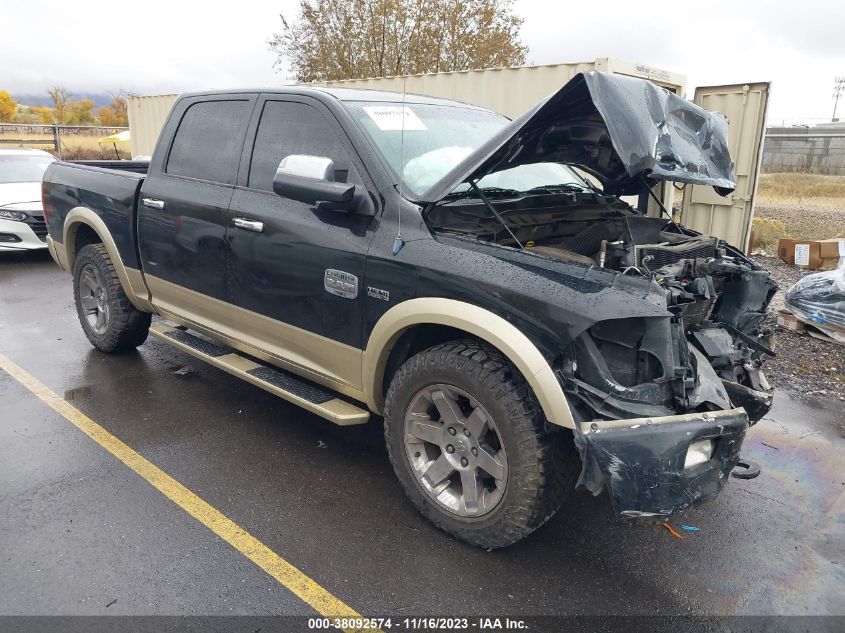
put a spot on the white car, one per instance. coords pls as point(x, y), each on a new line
point(22, 225)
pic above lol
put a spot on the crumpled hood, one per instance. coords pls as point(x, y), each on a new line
point(20, 192)
point(627, 132)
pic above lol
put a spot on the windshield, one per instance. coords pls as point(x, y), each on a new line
point(552, 176)
point(438, 137)
point(23, 168)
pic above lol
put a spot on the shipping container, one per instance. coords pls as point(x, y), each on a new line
point(512, 91)
point(509, 91)
point(147, 115)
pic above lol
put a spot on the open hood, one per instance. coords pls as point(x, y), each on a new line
point(627, 132)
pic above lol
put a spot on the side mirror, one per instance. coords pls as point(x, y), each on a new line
point(310, 179)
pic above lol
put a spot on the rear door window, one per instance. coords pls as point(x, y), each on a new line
point(209, 141)
point(290, 127)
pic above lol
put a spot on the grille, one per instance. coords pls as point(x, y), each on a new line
point(659, 256)
point(38, 226)
point(40, 229)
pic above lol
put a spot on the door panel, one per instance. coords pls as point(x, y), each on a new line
point(185, 243)
point(280, 271)
point(183, 214)
point(729, 217)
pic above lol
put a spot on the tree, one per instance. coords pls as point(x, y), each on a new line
point(115, 114)
point(44, 114)
point(108, 118)
point(79, 112)
point(60, 97)
point(8, 106)
point(352, 39)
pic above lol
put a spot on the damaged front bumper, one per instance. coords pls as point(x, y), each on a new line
point(655, 467)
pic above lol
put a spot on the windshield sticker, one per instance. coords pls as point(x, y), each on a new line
point(389, 118)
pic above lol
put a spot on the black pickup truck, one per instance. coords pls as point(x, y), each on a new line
point(476, 281)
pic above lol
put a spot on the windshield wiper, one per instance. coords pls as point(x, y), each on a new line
point(568, 187)
point(496, 192)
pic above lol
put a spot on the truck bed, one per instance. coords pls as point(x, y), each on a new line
point(135, 166)
point(109, 188)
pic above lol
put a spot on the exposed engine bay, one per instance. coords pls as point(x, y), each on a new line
point(706, 355)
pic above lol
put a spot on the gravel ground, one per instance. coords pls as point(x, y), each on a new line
point(804, 365)
point(818, 219)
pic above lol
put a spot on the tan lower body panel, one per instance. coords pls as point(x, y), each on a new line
point(57, 253)
point(316, 357)
point(336, 410)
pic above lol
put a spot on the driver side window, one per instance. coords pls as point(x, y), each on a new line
point(289, 127)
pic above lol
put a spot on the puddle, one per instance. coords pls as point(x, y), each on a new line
point(77, 392)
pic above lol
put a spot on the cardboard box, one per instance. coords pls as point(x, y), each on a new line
point(832, 249)
point(804, 253)
point(811, 254)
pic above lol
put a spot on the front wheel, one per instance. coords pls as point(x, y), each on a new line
point(108, 318)
point(471, 447)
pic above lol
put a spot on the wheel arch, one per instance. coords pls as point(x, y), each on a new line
point(462, 319)
point(81, 222)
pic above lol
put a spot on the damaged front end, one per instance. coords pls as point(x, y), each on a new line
point(661, 401)
point(664, 402)
point(655, 467)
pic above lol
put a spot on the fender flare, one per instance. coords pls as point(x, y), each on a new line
point(473, 320)
point(130, 278)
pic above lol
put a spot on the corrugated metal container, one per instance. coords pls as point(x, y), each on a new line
point(146, 118)
point(730, 217)
point(510, 91)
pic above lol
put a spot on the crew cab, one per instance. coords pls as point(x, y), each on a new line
point(477, 282)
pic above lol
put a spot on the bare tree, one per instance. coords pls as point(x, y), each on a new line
point(350, 39)
point(60, 98)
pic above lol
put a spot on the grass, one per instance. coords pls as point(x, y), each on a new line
point(796, 185)
point(73, 145)
point(800, 206)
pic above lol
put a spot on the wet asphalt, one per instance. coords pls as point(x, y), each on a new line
point(81, 534)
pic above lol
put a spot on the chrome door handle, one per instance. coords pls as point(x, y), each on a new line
point(152, 203)
point(248, 225)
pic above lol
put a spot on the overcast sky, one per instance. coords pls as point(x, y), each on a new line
point(153, 47)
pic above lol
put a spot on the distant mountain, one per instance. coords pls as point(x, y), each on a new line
point(100, 99)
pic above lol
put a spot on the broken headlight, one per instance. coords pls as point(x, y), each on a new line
point(633, 367)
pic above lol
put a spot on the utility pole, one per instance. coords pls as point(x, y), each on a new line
point(838, 90)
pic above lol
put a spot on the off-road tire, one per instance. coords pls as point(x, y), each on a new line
point(127, 326)
point(542, 461)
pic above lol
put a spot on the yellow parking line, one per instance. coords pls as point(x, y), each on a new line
point(294, 580)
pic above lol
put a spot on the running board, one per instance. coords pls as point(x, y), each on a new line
point(299, 391)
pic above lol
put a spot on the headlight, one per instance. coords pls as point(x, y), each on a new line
point(17, 216)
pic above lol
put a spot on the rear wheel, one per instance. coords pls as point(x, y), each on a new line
point(471, 447)
point(108, 318)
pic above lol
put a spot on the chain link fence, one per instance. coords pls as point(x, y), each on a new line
point(801, 190)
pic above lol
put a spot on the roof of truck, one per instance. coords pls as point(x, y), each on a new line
point(342, 94)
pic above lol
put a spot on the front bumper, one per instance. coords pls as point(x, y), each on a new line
point(641, 461)
point(21, 236)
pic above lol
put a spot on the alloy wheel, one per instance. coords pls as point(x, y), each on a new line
point(455, 450)
point(93, 297)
